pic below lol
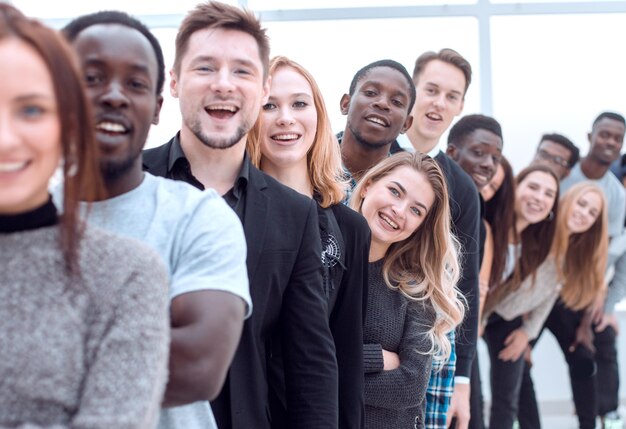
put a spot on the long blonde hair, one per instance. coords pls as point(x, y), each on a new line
point(581, 258)
point(424, 267)
point(324, 158)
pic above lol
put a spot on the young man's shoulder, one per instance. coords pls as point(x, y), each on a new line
point(179, 207)
point(615, 194)
point(609, 183)
point(102, 250)
point(177, 192)
point(615, 185)
point(459, 182)
point(157, 157)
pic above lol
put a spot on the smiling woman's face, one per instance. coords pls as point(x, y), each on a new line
point(396, 205)
point(30, 147)
point(584, 212)
point(534, 197)
point(288, 120)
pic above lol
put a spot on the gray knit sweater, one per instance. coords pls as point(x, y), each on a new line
point(81, 353)
point(395, 399)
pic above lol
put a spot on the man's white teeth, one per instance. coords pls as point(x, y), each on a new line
point(227, 107)
point(286, 137)
point(389, 221)
point(10, 167)
point(481, 178)
point(376, 121)
point(433, 116)
point(111, 127)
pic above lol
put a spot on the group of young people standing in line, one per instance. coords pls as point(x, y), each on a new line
point(311, 284)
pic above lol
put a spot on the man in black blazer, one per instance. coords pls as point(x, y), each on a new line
point(220, 78)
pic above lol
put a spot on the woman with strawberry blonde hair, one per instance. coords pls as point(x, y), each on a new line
point(292, 141)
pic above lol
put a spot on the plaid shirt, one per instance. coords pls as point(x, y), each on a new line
point(348, 176)
point(351, 185)
point(439, 391)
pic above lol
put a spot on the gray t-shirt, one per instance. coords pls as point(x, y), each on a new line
point(201, 241)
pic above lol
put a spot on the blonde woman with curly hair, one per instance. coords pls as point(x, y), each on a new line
point(412, 298)
point(292, 141)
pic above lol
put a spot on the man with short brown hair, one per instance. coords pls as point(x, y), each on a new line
point(220, 78)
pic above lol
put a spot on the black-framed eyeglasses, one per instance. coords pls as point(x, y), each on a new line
point(555, 159)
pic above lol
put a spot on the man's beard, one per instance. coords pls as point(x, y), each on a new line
point(364, 143)
point(112, 171)
point(224, 143)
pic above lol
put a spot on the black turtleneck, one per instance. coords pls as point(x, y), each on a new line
point(42, 216)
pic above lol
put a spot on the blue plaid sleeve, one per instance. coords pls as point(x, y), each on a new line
point(439, 391)
point(347, 176)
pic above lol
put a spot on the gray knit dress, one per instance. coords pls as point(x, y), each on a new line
point(395, 399)
point(81, 353)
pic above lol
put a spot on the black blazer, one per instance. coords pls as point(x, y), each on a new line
point(347, 296)
point(285, 274)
